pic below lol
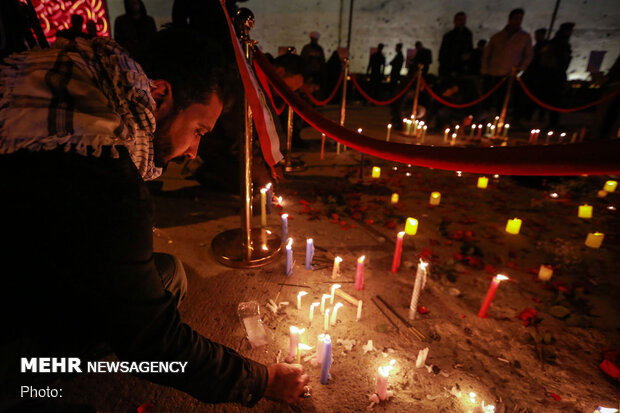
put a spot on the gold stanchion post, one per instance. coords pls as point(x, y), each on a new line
point(502, 116)
point(343, 104)
point(414, 109)
point(246, 247)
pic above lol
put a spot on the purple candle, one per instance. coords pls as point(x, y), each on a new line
point(289, 257)
point(269, 197)
point(284, 226)
point(326, 363)
point(309, 253)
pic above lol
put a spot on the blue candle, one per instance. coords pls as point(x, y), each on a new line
point(289, 257)
point(284, 226)
point(309, 253)
point(327, 359)
point(269, 197)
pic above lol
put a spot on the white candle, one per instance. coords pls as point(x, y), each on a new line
point(299, 295)
point(326, 320)
point(319, 348)
point(336, 269)
point(421, 360)
point(294, 340)
point(335, 314)
point(312, 307)
point(359, 310)
point(333, 291)
point(323, 298)
point(417, 289)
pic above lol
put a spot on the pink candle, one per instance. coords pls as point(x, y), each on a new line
point(480, 130)
point(359, 274)
point(382, 381)
point(398, 251)
point(294, 340)
point(490, 294)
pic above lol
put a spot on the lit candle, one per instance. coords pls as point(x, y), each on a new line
point(562, 136)
point(483, 181)
point(294, 340)
point(490, 294)
point(610, 186)
point(537, 135)
point(545, 272)
point(496, 176)
point(513, 226)
point(359, 310)
point(549, 135)
point(269, 197)
point(496, 121)
point(479, 130)
point(424, 129)
point(359, 273)
point(326, 363)
point(326, 320)
point(300, 347)
point(336, 269)
point(411, 227)
point(585, 211)
point(456, 129)
point(376, 172)
point(473, 129)
point(309, 253)
point(405, 124)
point(506, 127)
point(333, 291)
point(323, 298)
point(417, 289)
point(394, 198)
point(322, 145)
point(382, 381)
point(332, 321)
point(445, 134)
point(319, 348)
point(299, 295)
point(606, 410)
point(453, 140)
point(594, 239)
point(532, 132)
point(408, 127)
point(284, 226)
point(389, 132)
point(398, 251)
point(312, 307)
point(289, 257)
point(435, 198)
point(488, 129)
point(263, 207)
point(493, 130)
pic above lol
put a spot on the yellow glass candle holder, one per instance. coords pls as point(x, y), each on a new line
point(483, 181)
point(545, 272)
point(411, 227)
point(585, 211)
point(610, 186)
point(394, 198)
point(513, 226)
point(602, 193)
point(435, 198)
point(594, 239)
point(376, 172)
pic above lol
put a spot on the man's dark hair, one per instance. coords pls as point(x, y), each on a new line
point(77, 21)
point(399, 46)
point(128, 11)
point(461, 13)
point(194, 65)
point(514, 12)
point(543, 31)
point(380, 46)
point(291, 63)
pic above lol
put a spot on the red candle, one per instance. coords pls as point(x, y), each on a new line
point(480, 130)
point(359, 274)
point(490, 294)
point(322, 146)
point(398, 251)
point(532, 135)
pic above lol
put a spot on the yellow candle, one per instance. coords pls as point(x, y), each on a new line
point(513, 226)
point(411, 227)
point(389, 132)
point(263, 207)
point(453, 140)
point(336, 269)
point(376, 172)
point(610, 186)
point(594, 239)
point(435, 198)
point(483, 181)
point(445, 134)
point(545, 272)
point(585, 211)
point(394, 199)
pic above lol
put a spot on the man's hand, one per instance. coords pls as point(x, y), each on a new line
point(286, 382)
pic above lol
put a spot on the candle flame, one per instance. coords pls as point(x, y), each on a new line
point(385, 370)
point(297, 330)
point(301, 294)
point(338, 259)
point(435, 194)
point(359, 130)
point(268, 232)
point(507, 126)
point(501, 277)
point(453, 135)
point(303, 346)
point(472, 397)
point(263, 190)
point(401, 234)
point(457, 127)
point(408, 174)
point(495, 176)
point(309, 241)
point(361, 259)
point(447, 130)
point(268, 185)
point(480, 126)
point(554, 195)
point(284, 216)
point(389, 125)
point(423, 264)
point(280, 201)
point(264, 247)
point(289, 245)
point(459, 173)
point(425, 127)
point(550, 133)
point(563, 134)
point(337, 306)
point(489, 408)
point(606, 409)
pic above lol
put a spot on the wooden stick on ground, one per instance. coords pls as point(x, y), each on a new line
point(411, 329)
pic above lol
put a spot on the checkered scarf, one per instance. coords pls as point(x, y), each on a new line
point(83, 94)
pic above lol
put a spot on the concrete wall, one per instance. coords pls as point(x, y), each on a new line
point(288, 22)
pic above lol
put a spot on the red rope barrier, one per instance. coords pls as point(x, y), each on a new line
point(461, 105)
point(329, 98)
point(265, 84)
point(595, 158)
point(564, 110)
point(382, 102)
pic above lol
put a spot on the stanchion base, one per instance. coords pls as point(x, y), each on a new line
point(229, 250)
point(295, 165)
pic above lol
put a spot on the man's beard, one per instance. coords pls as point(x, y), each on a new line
point(162, 142)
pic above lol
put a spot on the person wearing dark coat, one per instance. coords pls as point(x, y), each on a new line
point(422, 57)
point(397, 64)
point(456, 47)
point(135, 28)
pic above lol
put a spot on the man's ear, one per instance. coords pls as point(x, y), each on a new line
point(162, 94)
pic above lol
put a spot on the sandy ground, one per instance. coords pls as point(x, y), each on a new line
point(551, 366)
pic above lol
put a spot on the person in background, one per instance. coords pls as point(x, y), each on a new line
point(135, 28)
point(456, 47)
point(473, 67)
point(91, 29)
point(376, 66)
point(397, 64)
point(423, 56)
point(314, 60)
point(533, 77)
point(75, 30)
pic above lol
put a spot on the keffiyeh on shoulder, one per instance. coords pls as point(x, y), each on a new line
point(85, 94)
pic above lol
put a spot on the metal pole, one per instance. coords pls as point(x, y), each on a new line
point(289, 136)
point(343, 103)
point(555, 12)
point(502, 116)
point(414, 109)
point(350, 25)
point(246, 170)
